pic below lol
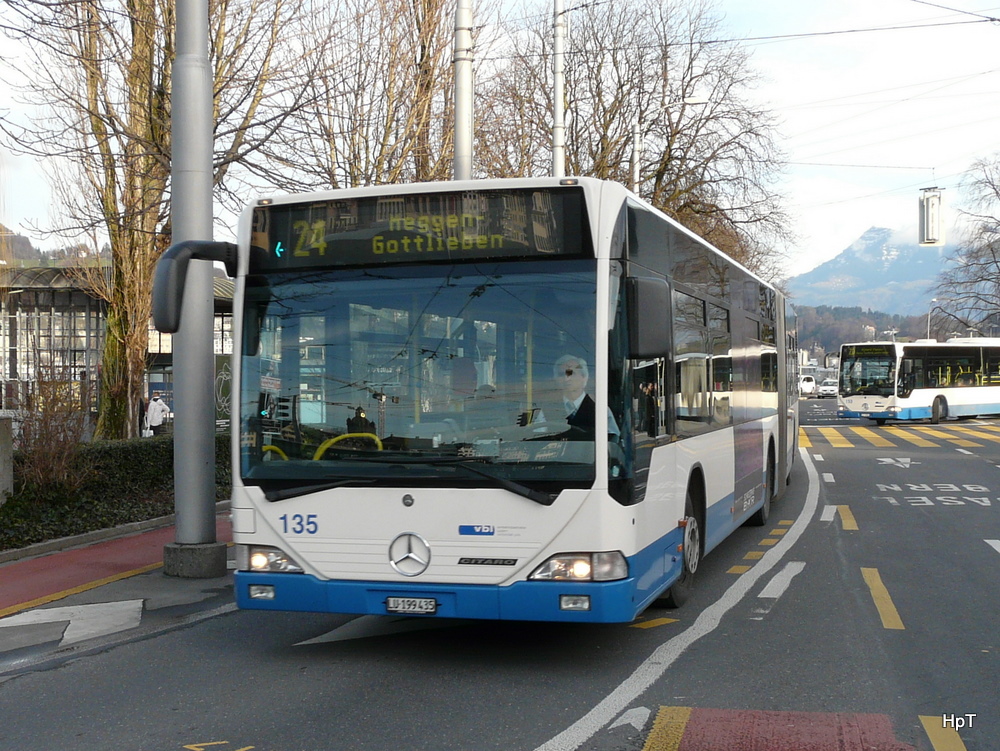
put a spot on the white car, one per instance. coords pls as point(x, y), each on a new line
point(807, 385)
point(827, 388)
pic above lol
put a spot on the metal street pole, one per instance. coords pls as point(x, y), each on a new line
point(195, 553)
point(558, 89)
point(636, 158)
point(929, 311)
point(463, 90)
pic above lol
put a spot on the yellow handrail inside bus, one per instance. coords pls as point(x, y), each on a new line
point(330, 441)
point(276, 450)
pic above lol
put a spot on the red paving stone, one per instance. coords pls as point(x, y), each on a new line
point(734, 730)
point(34, 578)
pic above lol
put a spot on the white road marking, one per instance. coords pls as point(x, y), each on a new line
point(83, 621)
point(777, 586)
point(653, 668)
point(829, 513)
point(905, 462)
point(636, 717)
point(828, 477)
point(995, 544)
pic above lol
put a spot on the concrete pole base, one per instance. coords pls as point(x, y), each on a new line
point(198, 561)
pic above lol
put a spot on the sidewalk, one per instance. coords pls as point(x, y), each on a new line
point(79, 567)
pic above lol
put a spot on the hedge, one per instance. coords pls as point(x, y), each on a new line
point(124, 481)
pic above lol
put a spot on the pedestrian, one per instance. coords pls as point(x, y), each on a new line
point(156, 413)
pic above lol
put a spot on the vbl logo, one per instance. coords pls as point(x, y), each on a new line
point(476, 529)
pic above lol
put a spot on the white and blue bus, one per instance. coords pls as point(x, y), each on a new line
point(528, 399)
point(921, 380)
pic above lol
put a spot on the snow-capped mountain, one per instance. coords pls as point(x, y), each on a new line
point(876, 272)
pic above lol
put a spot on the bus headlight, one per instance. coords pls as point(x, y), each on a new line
point(265, 558)
point(582, 567)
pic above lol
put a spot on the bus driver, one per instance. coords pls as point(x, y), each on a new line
point(571, 375)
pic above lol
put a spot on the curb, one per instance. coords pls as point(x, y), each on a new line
point(98, 535)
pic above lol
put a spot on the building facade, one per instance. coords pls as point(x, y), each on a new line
point(51, 327)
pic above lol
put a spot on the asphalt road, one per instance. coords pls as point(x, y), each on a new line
point(862, 617)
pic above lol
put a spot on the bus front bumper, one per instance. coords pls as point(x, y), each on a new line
point(910, 413)
point(606, 602)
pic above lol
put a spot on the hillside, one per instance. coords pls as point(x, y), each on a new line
point(824, 328)
point(876, 272)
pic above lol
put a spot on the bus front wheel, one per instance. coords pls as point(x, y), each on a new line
point(680, 590)
point(939, 410)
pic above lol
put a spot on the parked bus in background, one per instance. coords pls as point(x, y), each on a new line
point(920, 380)
point(534, 399)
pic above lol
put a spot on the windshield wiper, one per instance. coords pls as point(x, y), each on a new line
point(284, 493)
point(545, 499)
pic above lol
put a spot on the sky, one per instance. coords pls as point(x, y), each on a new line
point(870, 111)
point(869, 118)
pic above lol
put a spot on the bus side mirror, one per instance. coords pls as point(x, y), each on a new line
point(171, 275)
point(648, 301)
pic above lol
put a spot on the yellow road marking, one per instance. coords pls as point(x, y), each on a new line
point(769, 541)
point(668, 729)
point(653, 623)
point(942, 738)
point(876, 439)
point(76, 590)
point(906, 436)
point(946, 436)
point(804, 441)
point(786, 522)
point(883, 602)
point(754, 555)
point(738, 570)
point(847, 521)
point(978, 434)
point(835, 438)
point(777, 531)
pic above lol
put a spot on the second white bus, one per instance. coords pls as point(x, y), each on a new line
point(922, 380)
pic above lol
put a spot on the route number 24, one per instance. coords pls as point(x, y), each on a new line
point(299, 524)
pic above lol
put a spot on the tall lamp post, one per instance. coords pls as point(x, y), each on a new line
point(929, 311)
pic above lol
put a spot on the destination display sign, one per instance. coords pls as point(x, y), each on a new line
point(868, 350)
point(421, 227)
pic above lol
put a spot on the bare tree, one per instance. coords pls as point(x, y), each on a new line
point(379, 109)
point(514, 97)
point(969, 288)
point(711, 165)
point(101, 83)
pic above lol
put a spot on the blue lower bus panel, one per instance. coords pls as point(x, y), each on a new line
point(606, 602)
point(609, 602)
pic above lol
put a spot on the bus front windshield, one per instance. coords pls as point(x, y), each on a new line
point(454, 374)
point(868, 370)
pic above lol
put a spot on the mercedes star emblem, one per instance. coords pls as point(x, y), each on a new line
point(409, 554)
